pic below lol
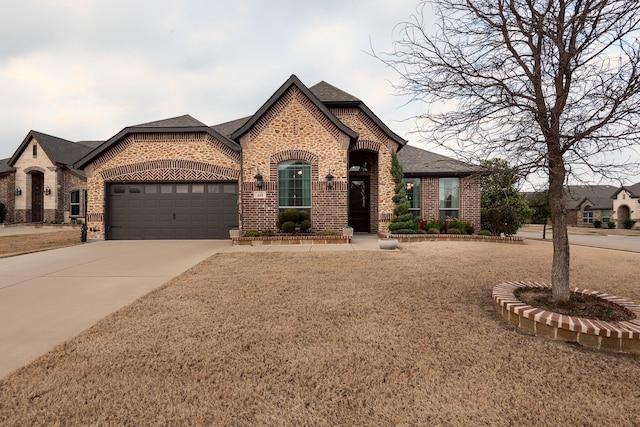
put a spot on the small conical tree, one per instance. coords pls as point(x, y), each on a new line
point(402, 221)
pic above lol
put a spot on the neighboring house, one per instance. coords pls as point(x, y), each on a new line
point(319, 149)
point(46, 187)
point(439, 186)
point(588, 203)
point(626, 205)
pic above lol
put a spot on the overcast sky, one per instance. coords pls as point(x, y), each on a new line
point(83, 70)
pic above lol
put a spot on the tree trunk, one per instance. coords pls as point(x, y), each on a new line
point(544, 229)
point(560, 266)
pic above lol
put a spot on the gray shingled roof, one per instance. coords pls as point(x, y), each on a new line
point(185, 121)
point(329, 94)
point(4, 166)
point(598, 195)
point(418, 162)
point(228, 128)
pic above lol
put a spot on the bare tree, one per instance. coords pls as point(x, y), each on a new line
point(551, 85)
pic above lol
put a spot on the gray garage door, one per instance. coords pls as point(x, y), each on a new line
point(171, 211)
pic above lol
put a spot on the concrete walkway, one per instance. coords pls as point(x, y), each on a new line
point(51, 296)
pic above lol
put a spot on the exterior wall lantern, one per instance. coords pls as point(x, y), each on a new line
point(47, 191)
point(18, 191)
point(329, 179)
point(259, 179)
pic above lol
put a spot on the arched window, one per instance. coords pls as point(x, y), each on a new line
point(294, 185)
point(587, 215)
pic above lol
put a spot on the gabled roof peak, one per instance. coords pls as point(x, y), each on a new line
point(174, 122)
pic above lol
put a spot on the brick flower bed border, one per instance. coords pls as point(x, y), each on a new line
point(408, 238)
point(291, 240)
point(617, 336)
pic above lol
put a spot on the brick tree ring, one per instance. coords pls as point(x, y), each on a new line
point(623, 336)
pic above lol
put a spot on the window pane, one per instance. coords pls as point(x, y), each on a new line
point(197, 189)
point(182, 189)
point(150, 189)
point(166, 189)
point(449, 189)
point(119, 189)
point(134, 190)
point(294, 184)
point(230, 189)
point(75, 197)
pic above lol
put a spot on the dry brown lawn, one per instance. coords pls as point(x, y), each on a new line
point(363, 338)
point(13, 245)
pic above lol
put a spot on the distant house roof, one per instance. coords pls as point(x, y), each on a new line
point(598, 195)
point(417, 162)
point(634, 190)
point(60, 151)
point(4, 167)
point(184, 123)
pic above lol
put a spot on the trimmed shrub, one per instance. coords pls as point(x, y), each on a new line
point(289, 227)
point(454, 231)
point(484, 233)
point(305, 225)
point(252, 233)
point(406, 231)
point(267, 233)
point(303, 216)
point(434, 223)
point(597, 224)
point(291, 215)
point(628, 224)
point(611, 224)
point(433, 230)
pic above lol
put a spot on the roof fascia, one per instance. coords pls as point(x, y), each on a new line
point(21, 147)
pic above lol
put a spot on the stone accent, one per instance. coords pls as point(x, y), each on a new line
point(617, 336)
point(157, 157)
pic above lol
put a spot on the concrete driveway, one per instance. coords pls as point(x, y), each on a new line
point(49, 297)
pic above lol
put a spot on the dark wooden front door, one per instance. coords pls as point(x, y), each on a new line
point(359, 206)
point(37, 197)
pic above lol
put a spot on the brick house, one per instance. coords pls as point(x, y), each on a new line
point(626, 205)
point(318, 149)
point(587, 203)
point(39, 183)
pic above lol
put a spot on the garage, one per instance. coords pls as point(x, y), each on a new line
point(158, 211)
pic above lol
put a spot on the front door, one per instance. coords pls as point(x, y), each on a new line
point(37, 197)
point(359, 212)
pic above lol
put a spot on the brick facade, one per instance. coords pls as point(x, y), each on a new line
point(470, 193)
point(295, 129)
point(7, 194)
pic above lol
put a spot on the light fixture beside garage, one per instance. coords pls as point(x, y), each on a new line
point(18, 191)
point(259, 179)
point(329, 179)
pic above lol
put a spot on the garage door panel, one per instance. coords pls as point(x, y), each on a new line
point(171, 211)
